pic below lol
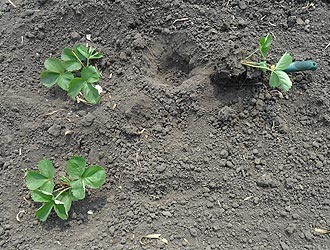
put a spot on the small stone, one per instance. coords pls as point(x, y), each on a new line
point(55, 130)
point(242, 23)
point(242, 5)
point(229, 164)
point(226, 114)
point(139, 42)
point(167, 213)
point(283, 213)
point(300, 21)
point(88, 120)
point(235, 205)
point(224, 153)
point(130, 214)
point(291, 228)
point(255, 151)
point(161, 168)
point(308, 235)
point(284, 246)
point(295, 216)
point(130, 129)
point(123, 56)
point(193, 232)
point(75, 36)
point(256, 200)
point(266, 180)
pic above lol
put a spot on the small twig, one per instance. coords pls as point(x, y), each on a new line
point(219, 203)
point(274, 25)
point(327, 46)
point(78, 58)
point(19, 214)
point(12, 3)
point(180, 20)
point(55, 111)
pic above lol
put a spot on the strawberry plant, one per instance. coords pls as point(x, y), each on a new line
point(73, 73)
point(59, 194)
point(278, 77)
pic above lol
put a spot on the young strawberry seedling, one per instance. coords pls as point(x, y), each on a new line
point(59, 194)
point(73, 73)
point(278, 76)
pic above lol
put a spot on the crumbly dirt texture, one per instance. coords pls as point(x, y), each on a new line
point(196, 148)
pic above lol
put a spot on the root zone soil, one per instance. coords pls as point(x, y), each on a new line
point(191, 151)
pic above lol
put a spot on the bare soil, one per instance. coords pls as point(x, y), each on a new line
point(196, 148)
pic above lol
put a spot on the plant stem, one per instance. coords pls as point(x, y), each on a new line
point(78, 59)
point(62, 192)
point(251, 54)
point(254, 65)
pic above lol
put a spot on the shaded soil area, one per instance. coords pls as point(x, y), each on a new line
point(194, 149)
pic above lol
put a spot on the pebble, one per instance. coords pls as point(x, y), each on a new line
point(266, 180)
point(75, 36)
point(308, 235)
point(242, 5)
point(224, 153)
point(139, 42)
point(193, 232)
point(55, 130)
point(161, 168)
point(88, 120)
point(167, 213)
point(291, 228)
point(284, 246)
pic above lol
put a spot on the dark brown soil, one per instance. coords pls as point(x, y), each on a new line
point(222, 163)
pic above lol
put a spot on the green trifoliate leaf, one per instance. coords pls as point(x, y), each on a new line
point(54, 65)
point(78, 189)
point(94, 176)
point(43, 212)
point(90, 74)
point(75, 87)
point(46, 168)
point(83, 50)
point(41, 196)
point(76, 167)
point(284, 62)
point(64, 80)
point(274, 81)
point(67, 55)
point(91, 94)
point(34, 180)
point(49, 78)
point(264, 45)
point(78, 54)
point(97, 55)
point(60, 210)
point(66, 199)
point(48, 186)
point(72, 65)
point(285, 82)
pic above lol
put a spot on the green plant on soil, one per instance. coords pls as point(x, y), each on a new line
point(278, 77)
point(59, 194)
point(73, 73)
